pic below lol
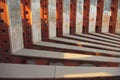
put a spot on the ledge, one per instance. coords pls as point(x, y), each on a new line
point(63, 46)
point(63, 56)
point(91, 40)
point(83, 43)
point(38, 71)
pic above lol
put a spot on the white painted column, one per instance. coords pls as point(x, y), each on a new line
point(16, 33)
point(66, 17)
point(79, 16)
point(106, 16)
point(36, 22)
point(118, 19)
point(52, 18)
point(92, 16)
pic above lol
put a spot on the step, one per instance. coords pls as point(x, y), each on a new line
point(84, 44)
point(91, 40)
point(112, 34)
point(117, 33)
point(63, 56)
point(20, 71)
point(26, 71)
point(95, 36)
point(81, 72)
point(106, 37)
point(63, 46)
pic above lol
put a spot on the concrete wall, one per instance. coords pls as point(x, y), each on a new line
point(118, 19)
point(92, 16)
point(16, 33)
point(36, 22)
point(106, 15)
point(52, 18)
point(66, 16)
point(79, 16)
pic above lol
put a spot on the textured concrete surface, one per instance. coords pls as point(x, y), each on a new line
point(106, 16)
point(82, 43)
point(40, 71)
point(98, 41)
point(52, 18)
point(65, 56)
point(16, 33)
point(64, 46)
point(118, 19)
point(36, 22)
point(79, 16)
point(66, 16)
point(72, 72)
point(92, 15)
point(26, 71)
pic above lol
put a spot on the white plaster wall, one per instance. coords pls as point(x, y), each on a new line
point(16, 33)
point(79, 16)
point(92, 15)
point(66, 16)
point(118, 19)
point(36, 22)
point(106, 16)
point(52, 18)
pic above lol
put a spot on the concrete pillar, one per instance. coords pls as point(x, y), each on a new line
point(36, 22)
point(66, 17)
point(16, 33)
point(118, 19)
point(92, 16)
point(52, 18)
point(79, 16)
point(106, 15)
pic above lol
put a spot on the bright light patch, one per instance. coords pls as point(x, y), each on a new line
point(88, 74)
